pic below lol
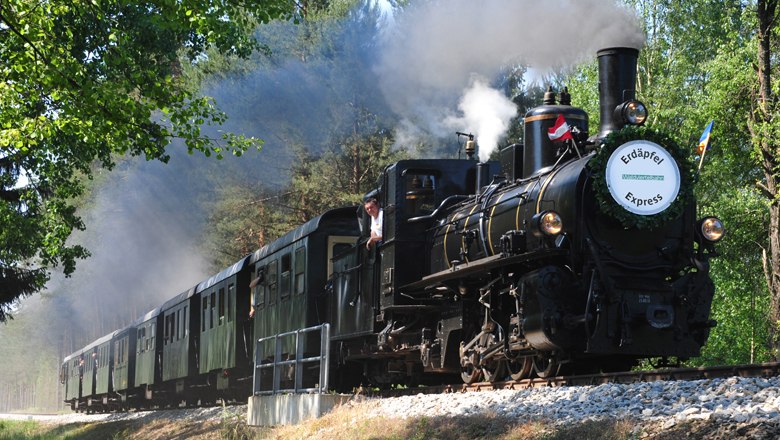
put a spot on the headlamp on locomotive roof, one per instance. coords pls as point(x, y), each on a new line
point(631, 112)
point(711, 229)
point(547, 223)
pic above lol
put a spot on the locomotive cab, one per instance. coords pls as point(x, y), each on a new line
point(416, 194)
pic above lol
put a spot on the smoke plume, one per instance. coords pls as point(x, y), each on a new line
point(436, 47)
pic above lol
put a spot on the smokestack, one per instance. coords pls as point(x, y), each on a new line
point(483, 177)
point(617, 84)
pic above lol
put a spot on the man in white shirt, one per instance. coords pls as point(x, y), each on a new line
point(375, 212)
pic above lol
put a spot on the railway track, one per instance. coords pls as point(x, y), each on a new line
point(769, 369)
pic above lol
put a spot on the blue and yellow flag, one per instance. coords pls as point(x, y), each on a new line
point(704, 140)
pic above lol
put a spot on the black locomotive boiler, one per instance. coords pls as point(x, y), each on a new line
point(584, 254)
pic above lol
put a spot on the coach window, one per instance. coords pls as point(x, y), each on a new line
point(185, 322)
point(221, 305)
point(231, 295)
point(177, 324)
point(167, 329)
point(150, 340)
point(259, 287)
point(300, 269)
point(272, 281)
point(285, 278)
point(212, 308)
point(204, 310)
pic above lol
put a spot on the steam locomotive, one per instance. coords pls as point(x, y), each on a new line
point(579, 255)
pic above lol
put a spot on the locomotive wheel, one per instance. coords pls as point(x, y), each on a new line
point(470, 373)
point(545, 367)
point(494, 371)
point(520, 368)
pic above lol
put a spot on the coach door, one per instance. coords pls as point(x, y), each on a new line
point(350, 269)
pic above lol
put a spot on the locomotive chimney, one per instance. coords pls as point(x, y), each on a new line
point(483, 177)
point(617, 84)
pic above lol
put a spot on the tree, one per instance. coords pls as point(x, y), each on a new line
point(83, 81)
point(244, 219)
point(345, 171)
point(764, 125)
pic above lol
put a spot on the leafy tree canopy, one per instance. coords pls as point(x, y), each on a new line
point(82, 81)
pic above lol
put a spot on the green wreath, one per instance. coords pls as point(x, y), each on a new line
point(598, 165)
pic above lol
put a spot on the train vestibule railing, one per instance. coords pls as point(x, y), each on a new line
point(278, 370)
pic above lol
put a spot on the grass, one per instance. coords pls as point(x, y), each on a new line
point(339, 425)
point(13, 430)
point(351, 423)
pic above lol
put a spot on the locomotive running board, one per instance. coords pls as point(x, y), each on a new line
point(466, 269)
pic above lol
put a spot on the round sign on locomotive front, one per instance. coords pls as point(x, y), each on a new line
point(643, 177)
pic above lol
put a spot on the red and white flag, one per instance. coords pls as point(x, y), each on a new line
point(560, 131)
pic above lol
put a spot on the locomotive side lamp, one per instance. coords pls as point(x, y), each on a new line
point(711, 229)
point(631, 112)
point(547, 223)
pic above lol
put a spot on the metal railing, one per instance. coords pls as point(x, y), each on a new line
point(295, 364)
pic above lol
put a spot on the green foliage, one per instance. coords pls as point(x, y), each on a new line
point(741, 301)
point(84, 81)
point(583, 87)
point(345, 171)
point(242, 220)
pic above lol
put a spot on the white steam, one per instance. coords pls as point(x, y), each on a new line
point(485, 110)
point(430, 56)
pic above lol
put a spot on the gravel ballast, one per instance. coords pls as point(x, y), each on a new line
point(735, 399)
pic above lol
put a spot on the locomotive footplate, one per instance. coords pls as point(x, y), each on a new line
point(464, 270)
